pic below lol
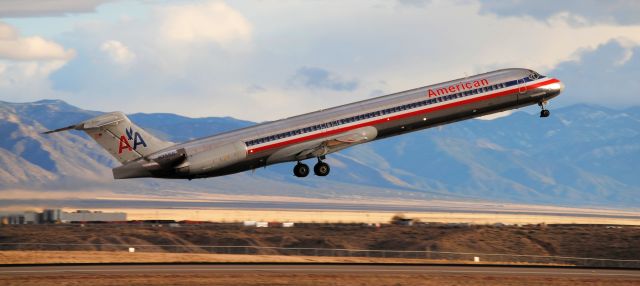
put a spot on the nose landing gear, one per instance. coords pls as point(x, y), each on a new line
point(544, 112)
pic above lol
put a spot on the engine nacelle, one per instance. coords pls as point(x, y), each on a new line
point(205, 161)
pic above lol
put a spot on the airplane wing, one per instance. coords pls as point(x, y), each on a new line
point(324, 146)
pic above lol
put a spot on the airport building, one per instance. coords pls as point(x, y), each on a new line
point(58, 216)
point(89, 216)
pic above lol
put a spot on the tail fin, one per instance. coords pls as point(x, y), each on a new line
point(122, 139)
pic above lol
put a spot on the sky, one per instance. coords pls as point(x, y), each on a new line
point(269, 59)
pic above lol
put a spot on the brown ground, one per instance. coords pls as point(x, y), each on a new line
point(306, 279)
point(53, 257)
point(563, 240)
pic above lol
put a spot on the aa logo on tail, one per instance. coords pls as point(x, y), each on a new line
point(131, 136)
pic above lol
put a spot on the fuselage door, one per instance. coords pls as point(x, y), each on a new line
point(522, 88)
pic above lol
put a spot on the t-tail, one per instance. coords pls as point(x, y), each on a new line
point(119, 136)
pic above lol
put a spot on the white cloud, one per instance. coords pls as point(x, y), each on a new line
point(581, 12)
point(14, 47)
point(187, 60)
point(118, 52)
point(38, 8)
point(319, 78)
point(213, 21)
point(605, 75)
point(26, 63)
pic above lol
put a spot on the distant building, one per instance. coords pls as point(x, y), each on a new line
point(51, 215)
point(31, 217)
point(58, 216)
point(20, 218)
point(88, 216)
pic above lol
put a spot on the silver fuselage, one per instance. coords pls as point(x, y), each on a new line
point(310, 135)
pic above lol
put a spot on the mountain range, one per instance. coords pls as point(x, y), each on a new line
point(583, 155)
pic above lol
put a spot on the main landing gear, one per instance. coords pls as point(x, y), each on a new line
point(320, 169)
point(301, 170)
point(544, 112)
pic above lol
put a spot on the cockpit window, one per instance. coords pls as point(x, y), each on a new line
point(534, 75)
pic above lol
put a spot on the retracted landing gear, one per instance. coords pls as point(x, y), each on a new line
point(544, 112)
point(301, 170)
point(321, 168)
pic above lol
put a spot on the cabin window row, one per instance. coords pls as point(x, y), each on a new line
point(379, 113)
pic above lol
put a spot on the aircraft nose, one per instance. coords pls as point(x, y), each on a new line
point(554, 89)
point(560, 86)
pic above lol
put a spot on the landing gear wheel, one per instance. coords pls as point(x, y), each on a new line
point(544, 113)
point(301, 170)
point(321, 169)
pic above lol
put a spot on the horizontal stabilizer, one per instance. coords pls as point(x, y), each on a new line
point(60, 129)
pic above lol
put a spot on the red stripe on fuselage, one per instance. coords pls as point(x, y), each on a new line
point(399, 116)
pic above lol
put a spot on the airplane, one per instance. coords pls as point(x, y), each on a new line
point(316, 134)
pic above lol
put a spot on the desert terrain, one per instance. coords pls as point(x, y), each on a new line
point(593, 241)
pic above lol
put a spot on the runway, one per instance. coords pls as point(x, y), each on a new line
point(273, 205)
point(130, 269)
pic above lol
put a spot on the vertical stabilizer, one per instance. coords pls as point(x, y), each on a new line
point(119, 136)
